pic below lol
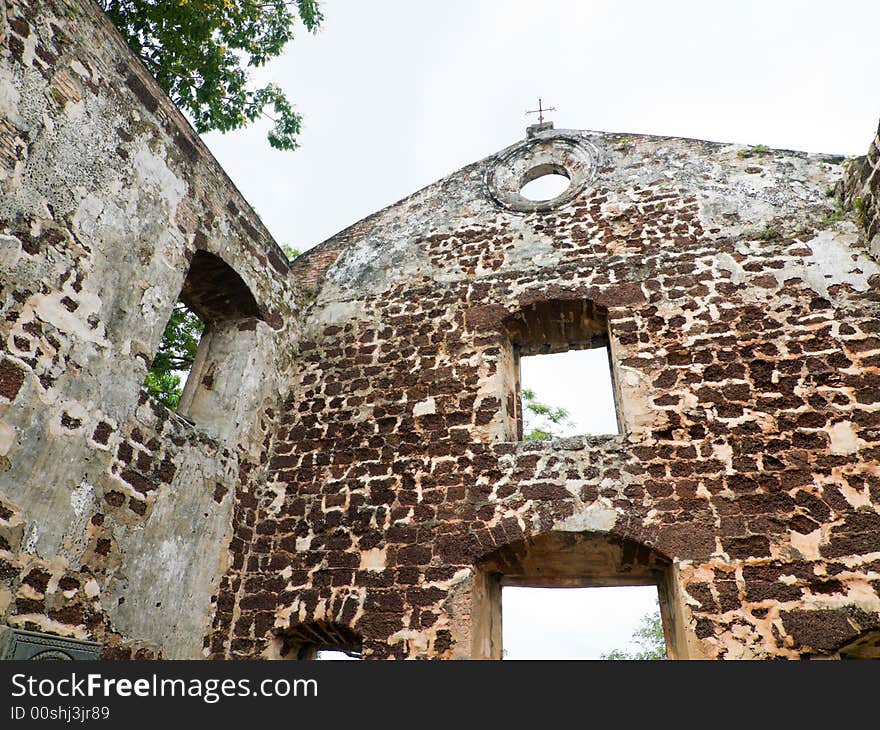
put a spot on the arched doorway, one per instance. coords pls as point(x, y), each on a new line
point(559, 560)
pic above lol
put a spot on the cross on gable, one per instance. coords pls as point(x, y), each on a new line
point(540, 111)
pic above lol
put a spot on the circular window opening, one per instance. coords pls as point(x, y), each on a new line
point(544, 182)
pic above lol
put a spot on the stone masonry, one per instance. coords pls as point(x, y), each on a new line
point(348, 472)
point(115, 513)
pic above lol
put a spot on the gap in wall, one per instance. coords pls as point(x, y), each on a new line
point(545, 187)
point(578, 381)
point(334, 655)
point(573, 623)
point(174, 359)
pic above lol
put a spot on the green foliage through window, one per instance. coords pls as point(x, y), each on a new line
point(541, 421)
point(648, 640)
point(175, 356)
point(200, 52)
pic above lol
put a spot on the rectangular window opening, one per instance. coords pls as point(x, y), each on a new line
point(567, 394)
point(175, 357)
point(610, 622)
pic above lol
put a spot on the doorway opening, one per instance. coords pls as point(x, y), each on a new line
point(536, 593)
point(336, 655)
point(616, 622)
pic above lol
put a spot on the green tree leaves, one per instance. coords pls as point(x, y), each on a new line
point(199, 52)
point(290, 251)
point(164, 387)
point(648, 638)
point(175, 356)
point(539, 419)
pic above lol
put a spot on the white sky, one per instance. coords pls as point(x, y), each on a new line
point(572, 623)
point(578, 381)
point(397, 94)
point(545, 187)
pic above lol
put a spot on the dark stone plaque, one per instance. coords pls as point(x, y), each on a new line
point(21, 644)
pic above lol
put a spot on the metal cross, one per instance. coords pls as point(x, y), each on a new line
point(540, 111)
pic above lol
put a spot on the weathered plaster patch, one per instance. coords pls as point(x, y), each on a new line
point(425, 407)
point(30, 542)
point(844, 439)
point(153, 172)
point(858, 498)
point(637, 411)
point(92, 589)
point(338, 311)
point(152, 302)
point(834, 261)
point(724, 454)
point(5, 599)
point(278, 500)
point(374, 559)
point(50, 309)
point(81, 498)
point(807, 545)
point(593, 519)
point(10, 251)
point(9, 98)
point(531, 249)
point(7, 436)
point(727, 263)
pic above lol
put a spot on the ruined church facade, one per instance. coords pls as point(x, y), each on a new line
point(346, 468)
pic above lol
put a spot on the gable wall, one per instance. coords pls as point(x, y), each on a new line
point(743, 320)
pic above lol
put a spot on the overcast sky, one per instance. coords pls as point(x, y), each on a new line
point(397, 94)
point(572, 623)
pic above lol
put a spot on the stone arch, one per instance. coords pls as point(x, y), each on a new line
point(227, 307)
point(216, 292)
point(865, 646)
point(559, 559)
point(556, 325)
point(306, 639)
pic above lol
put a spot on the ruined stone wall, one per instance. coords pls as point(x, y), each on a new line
point(116, 513)
point(351, 475)
point(743, 328)
point(860, 188)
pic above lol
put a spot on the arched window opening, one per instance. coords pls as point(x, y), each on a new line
point(599, 622)
point(321, 641)
point(545, 182)
point(174, 359)
point(205, 343)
